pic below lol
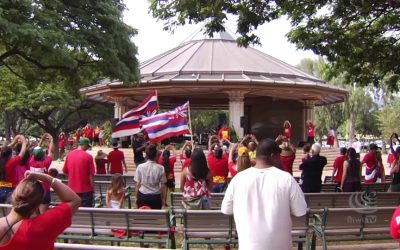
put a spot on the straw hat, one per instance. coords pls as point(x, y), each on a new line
point(243, 151)
point(101, 155)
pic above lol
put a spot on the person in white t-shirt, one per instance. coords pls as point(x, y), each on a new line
point(357, 146)
point(262, 199)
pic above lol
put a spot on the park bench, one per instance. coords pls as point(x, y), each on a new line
point(347, 224)
point(143, 226)
point(215, 200)
point(62, 246)
point(345, 200)
point(128, 179)
point(100, 191)
point(213, 227)
point(369, 187)
point(328, 178)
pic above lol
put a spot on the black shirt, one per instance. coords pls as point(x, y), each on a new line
point(312, 172)
point(138, 156)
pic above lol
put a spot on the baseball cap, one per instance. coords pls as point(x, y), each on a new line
point(243, 151)
point(38, 153)
point(84, 141)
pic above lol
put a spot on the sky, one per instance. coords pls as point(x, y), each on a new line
point(153, 40)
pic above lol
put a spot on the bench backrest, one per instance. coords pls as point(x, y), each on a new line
point(215, 200)
point(358, 218)
point(128, 179)
point(207, 221)
point(129, 219)
point(343, 200)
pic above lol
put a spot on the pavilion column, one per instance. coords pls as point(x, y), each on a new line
point(120, 107)
point(308, 114)
point(236, 110)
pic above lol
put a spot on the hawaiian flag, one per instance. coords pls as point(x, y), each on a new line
point(130, 124)
point(168, 124)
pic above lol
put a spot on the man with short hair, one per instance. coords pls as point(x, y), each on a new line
point(116, 159)
point(79, 167)
point(150, 178)
point(262, 199)
point(312, 170)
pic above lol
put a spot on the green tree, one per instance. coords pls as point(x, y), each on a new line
point(41, 41)
point(389, 117)
point(357, 37)
point(53, 110)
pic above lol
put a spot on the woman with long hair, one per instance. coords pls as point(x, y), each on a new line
point(116, 192)
point(351, 178)
point(8, 164)
point(19, 231)
point(196, 182)
point(40, 162)
point(242, 161)
point(168, 161)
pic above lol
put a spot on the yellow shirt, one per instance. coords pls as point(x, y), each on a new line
point(252, 155)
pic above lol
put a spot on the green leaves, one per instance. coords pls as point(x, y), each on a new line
point(41, 40)
point(358, 37)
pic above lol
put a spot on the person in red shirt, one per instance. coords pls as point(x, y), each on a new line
point(338, 167)
point(18, 231)
point(62, 141)
point(310, 132)
point(89, 132)
point(78, 135)
point(8, 164)
point(101, 161)
point(71, 142)
point(224, 133)
point(116, 159)
point(40, 163)
point(288, 154)
point(287, 129)
point(374, 167)
point(219, 168)
point(79, 167)
point(395, 225)
point(167, 160)
point(186, 154)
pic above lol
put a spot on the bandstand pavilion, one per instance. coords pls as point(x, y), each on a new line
point(214, 73)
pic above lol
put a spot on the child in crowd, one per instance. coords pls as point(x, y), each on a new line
point(168, 161)
point(101, 162)
point(116, 192)
point(186, 154)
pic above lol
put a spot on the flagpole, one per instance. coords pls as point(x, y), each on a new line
point(190, 127)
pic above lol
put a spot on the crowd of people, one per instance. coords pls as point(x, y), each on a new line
point(255, 176)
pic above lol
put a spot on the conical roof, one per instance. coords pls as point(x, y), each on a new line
point(219, 58)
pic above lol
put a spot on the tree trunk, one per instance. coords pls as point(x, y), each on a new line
point(352, 128)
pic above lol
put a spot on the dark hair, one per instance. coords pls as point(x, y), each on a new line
point(5, 155)
point(53, 172)
point(218, 152)
point(151, 152)
point(166, 154)
point(351, 154)
point(27, 197)
point(354, 163)
point(266, 148)
point(343, 151)
point(373, 146)
point(188, 153)
point(198, 167)
point(307, 147)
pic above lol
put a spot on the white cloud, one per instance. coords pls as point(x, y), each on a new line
point(153, 40)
